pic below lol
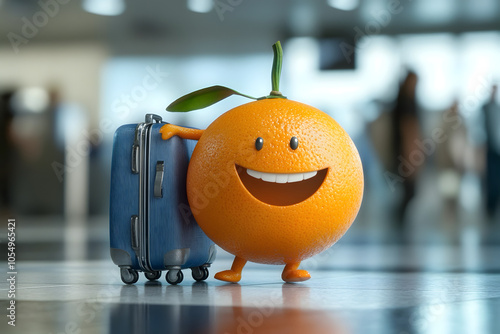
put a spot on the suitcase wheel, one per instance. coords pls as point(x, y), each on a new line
point(199, 273)
point(153, 276)
point(174, 276)
point(129, 276)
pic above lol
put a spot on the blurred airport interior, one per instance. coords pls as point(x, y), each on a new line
point(429, 143)
point(414, 83)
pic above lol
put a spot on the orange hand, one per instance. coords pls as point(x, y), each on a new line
point(169, 130)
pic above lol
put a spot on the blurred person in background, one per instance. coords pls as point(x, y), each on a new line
point(6, 149)
point(405, 135)
point(491, 111)
point(451, 160)
point(29, 185)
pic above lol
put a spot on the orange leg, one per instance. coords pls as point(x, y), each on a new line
point(234, 274)
point(291, 274)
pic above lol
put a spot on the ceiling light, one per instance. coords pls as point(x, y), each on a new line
point(200, 6)
point(346, 5)
point(104, 7)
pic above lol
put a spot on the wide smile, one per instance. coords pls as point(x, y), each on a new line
point(281, 188)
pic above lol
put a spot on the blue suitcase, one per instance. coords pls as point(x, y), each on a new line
point(151, 225)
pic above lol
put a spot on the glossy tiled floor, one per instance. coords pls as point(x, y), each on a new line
point(355, 288)
point(436, 275)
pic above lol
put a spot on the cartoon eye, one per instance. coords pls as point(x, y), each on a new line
point(294, 143)
point(259, 142)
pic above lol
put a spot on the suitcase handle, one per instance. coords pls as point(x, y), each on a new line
point(135, 232)
point(158, 185)
point(151, 118)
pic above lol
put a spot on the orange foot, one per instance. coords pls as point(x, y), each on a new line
point(228, 276)
point(234, 274)
point(291, 274)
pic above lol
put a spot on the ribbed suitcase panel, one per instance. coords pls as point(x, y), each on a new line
point(172, 225)
point(124, 192)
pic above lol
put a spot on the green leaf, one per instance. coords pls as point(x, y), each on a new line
point(203, 98)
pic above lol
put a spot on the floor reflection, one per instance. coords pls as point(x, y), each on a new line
point(144, 317)
point(288, 310)
point(90, 298)
point(284, 311)
point(270, 317)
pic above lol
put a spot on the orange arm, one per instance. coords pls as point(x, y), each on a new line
point(169, 130)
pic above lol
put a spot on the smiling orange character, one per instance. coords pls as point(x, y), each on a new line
point(272, 181)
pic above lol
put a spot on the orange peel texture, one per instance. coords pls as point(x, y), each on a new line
point(235, 201)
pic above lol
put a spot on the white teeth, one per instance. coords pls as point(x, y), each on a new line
point(253, 173)
point(269, 177)
point(309, 175)
point(281, 177)
point(295, 177)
